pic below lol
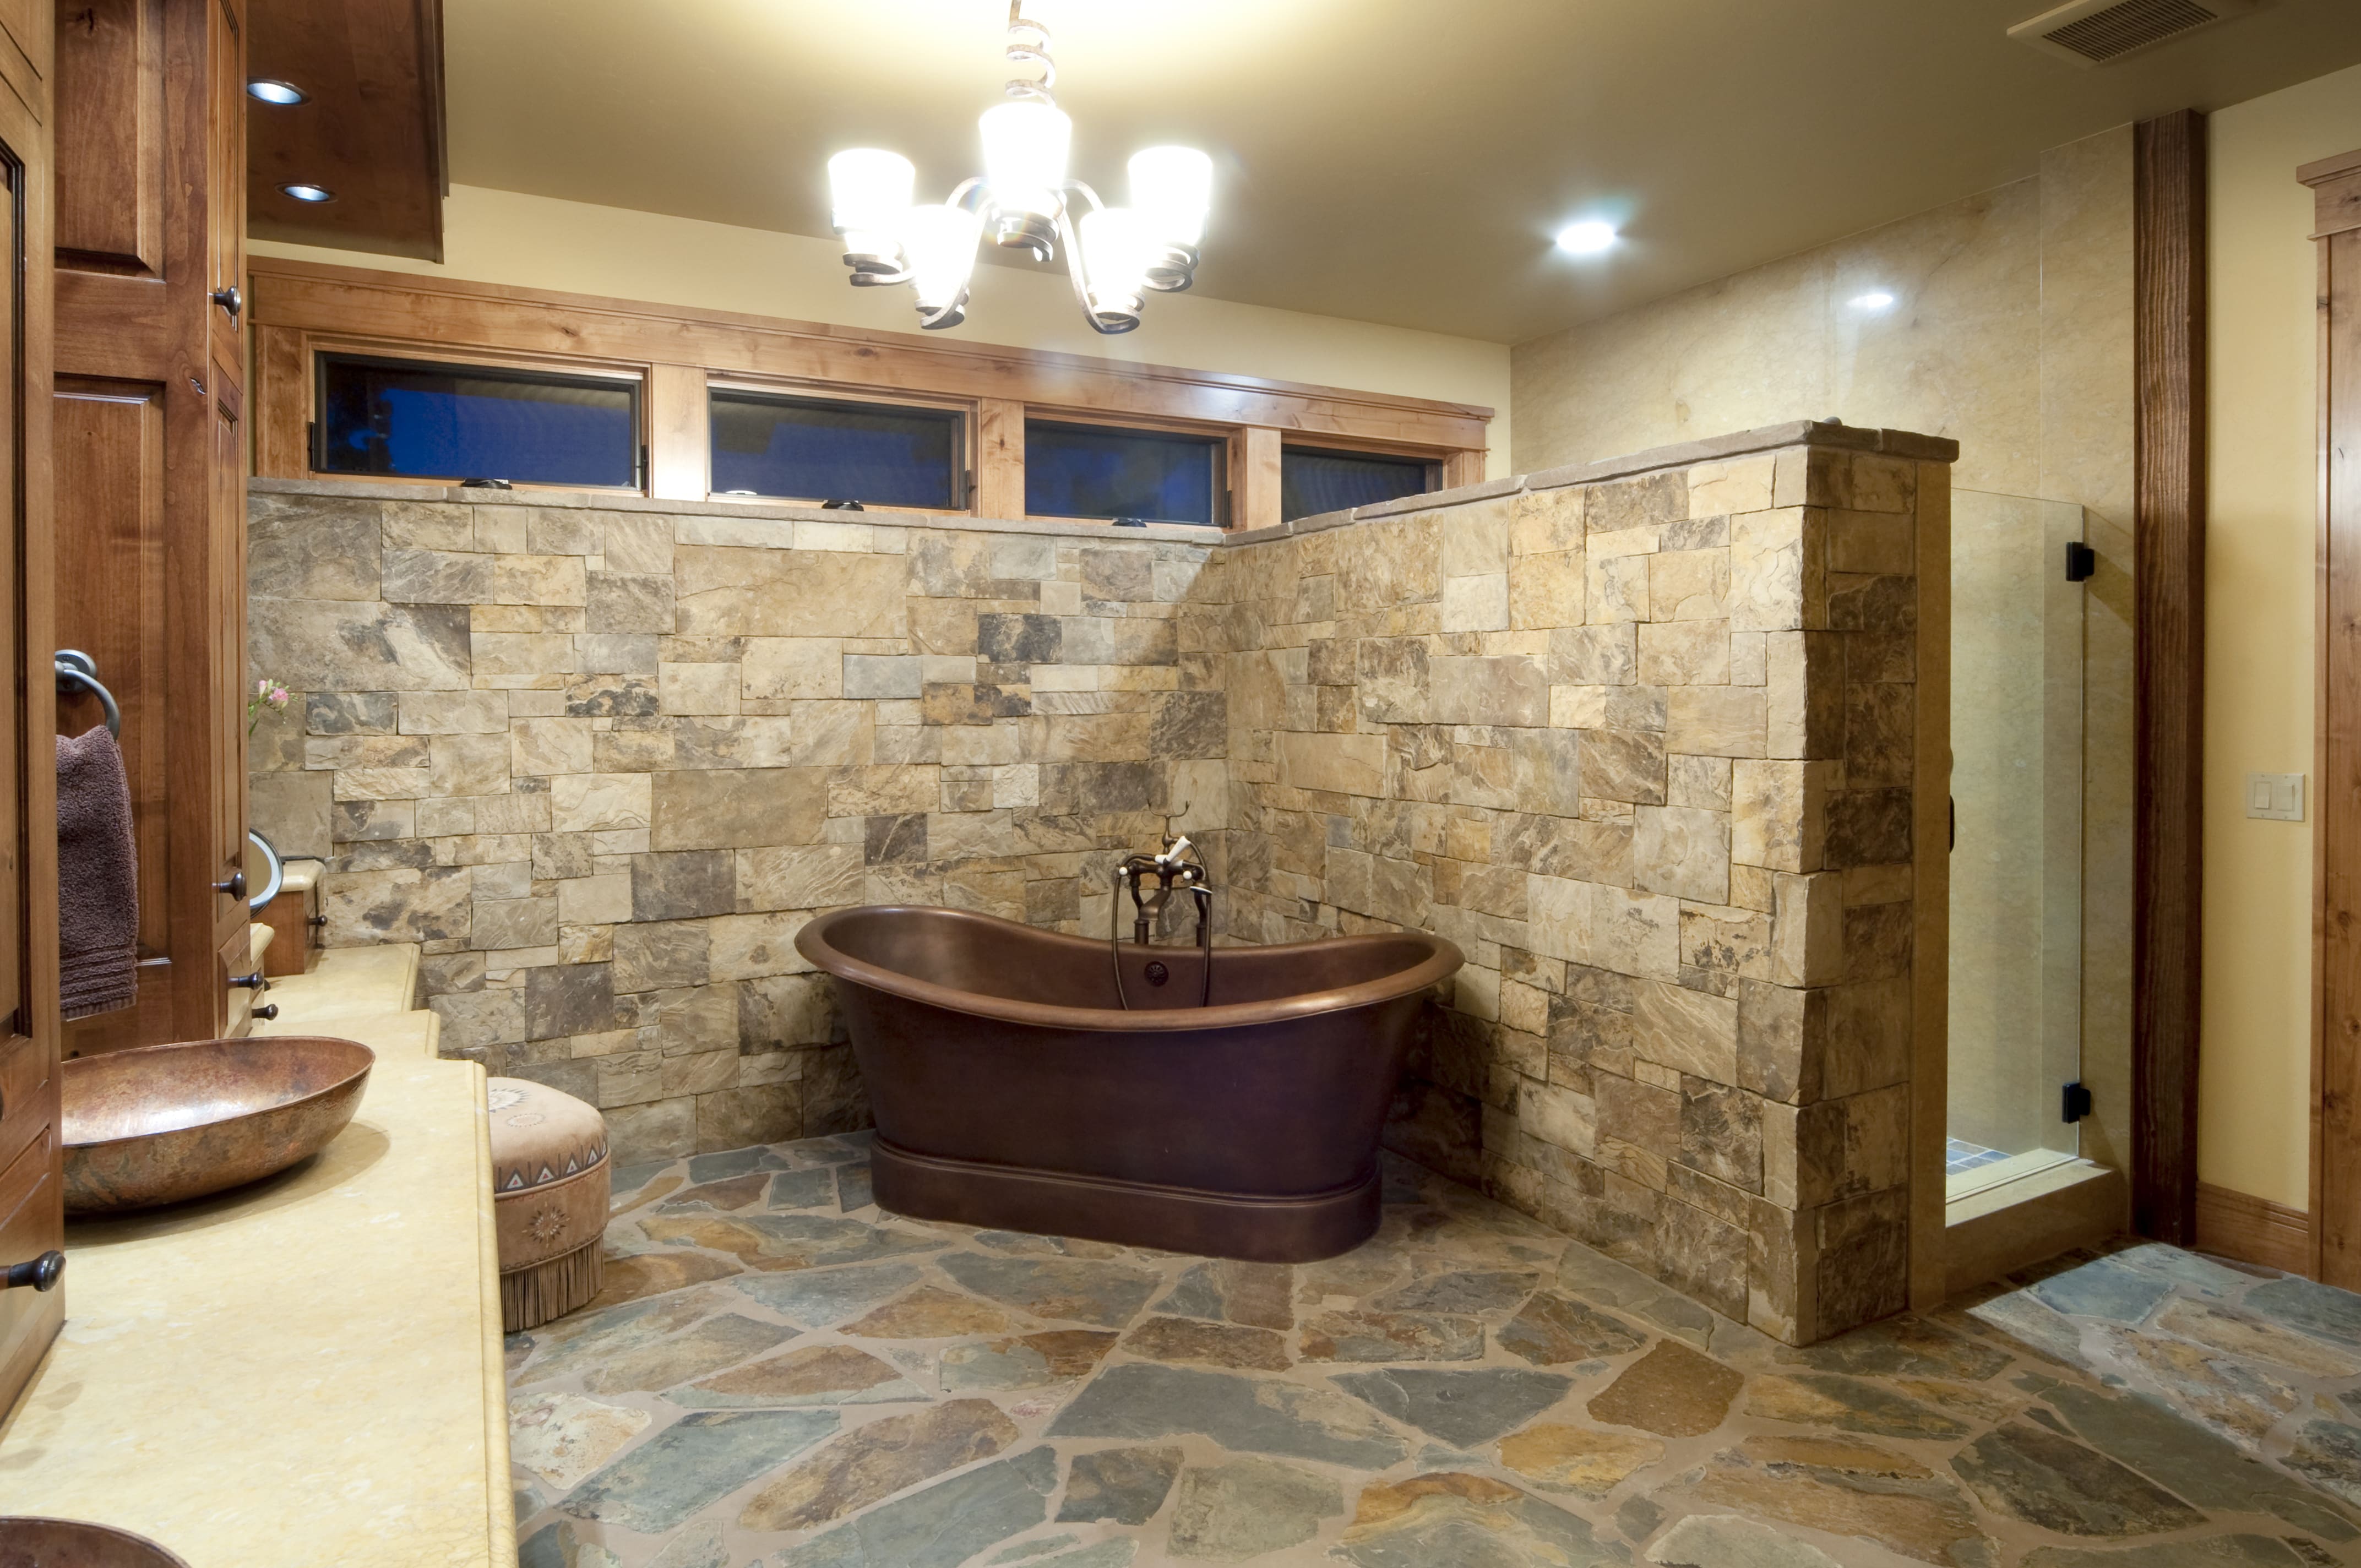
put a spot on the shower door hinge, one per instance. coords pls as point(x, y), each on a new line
point(2081, 562)
point(2077, 1102)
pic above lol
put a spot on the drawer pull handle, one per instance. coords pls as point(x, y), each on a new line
point(255, 982)
point(234, 887)
point(41, 1273)
point(267, 1012)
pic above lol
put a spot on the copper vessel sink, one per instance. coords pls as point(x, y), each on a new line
point(163, 1123)
point(28, 1542)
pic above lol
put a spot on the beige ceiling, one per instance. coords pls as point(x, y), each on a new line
point(1378, 159)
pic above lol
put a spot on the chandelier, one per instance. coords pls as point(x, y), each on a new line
point(1114, 256)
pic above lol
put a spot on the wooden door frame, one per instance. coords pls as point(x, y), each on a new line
point(2168, 667)
point(2335, 183)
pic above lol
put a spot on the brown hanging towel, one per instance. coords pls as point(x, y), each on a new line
point(98, 878)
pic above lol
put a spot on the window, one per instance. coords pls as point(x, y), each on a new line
point(1312, 481)
point(811, 449)
point(411, 420)
point(1095, 470)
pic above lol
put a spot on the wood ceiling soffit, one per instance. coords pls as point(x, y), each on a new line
point(372, 130)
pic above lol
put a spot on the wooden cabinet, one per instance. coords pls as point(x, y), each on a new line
point(150, 422)
point(32, 1217)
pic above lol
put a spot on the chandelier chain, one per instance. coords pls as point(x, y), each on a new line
point(1028, 44)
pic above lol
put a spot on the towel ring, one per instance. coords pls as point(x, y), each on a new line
point(79, 669)
point(277, 872)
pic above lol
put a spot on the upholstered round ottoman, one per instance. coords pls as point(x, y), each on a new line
point(549, 1199)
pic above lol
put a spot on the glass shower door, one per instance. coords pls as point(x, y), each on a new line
point(2017, 853)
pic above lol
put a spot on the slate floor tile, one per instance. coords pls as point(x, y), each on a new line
point(780, 1373)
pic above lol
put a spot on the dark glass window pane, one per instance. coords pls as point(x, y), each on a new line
point(810, 449)
point(1090, 470)
point(1312, 481)
point(462, 421)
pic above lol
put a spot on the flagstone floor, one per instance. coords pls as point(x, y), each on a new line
point(780, 1375)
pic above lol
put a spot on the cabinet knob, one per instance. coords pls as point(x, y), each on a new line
point(41, 1273)
point(234, 887)
point(254, 981)
point(230, 300)
point(267, 1012)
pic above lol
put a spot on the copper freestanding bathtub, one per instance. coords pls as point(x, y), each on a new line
point(1013, 1088)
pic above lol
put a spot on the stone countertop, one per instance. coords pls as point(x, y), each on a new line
point(304, 1371)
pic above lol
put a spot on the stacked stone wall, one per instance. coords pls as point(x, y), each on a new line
point(1641, 747)
point(1639, 738)
point(604, 763)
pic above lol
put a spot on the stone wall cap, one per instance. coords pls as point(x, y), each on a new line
point(1769, 437)
point(771, 511)
point(1321, 522)
point(1435, 500)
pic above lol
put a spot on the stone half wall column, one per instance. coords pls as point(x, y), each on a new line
point(1805, 981)
point(1821, 831)
point(1802, 983)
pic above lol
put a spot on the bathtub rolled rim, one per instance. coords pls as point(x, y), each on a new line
point(1442, 960)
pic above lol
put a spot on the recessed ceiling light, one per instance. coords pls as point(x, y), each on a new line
point(274, 92)
point(308, 192)
point(1588, 237)
point(1876, 299)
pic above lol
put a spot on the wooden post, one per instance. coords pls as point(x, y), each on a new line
point(2168, 716)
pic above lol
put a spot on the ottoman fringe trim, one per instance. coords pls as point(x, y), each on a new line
point(535, 1294)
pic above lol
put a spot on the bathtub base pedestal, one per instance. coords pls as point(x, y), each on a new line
point(1301, 1228)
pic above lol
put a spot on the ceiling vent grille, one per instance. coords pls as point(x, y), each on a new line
point(2099, 32)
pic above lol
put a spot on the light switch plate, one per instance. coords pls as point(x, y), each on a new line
point(2275, 797)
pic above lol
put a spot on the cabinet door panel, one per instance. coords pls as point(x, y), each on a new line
point(32, 1218)
point(111, 151)
point(108, 437)
point(28, 1100)
point(225, 187)
point(24, 57)
point(151, 422)
point(235, 961)
point(32, 1221)
point(226, 639)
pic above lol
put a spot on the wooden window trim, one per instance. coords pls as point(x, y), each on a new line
point(301, 306)
point(1441, 463)
point(882, 397)
point(1233, 454)
point(439, 354)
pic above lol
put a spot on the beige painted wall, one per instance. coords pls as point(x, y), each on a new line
point(2010, 331)
point(501, 236)
point(2254, 1079)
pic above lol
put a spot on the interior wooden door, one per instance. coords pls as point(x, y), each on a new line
point(32, 1215)
point(2336, 844)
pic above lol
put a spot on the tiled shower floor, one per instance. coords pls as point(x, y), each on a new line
point(780, 1375)
point(1959, 1156)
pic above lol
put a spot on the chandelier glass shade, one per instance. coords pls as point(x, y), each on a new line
point(1024, 200)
